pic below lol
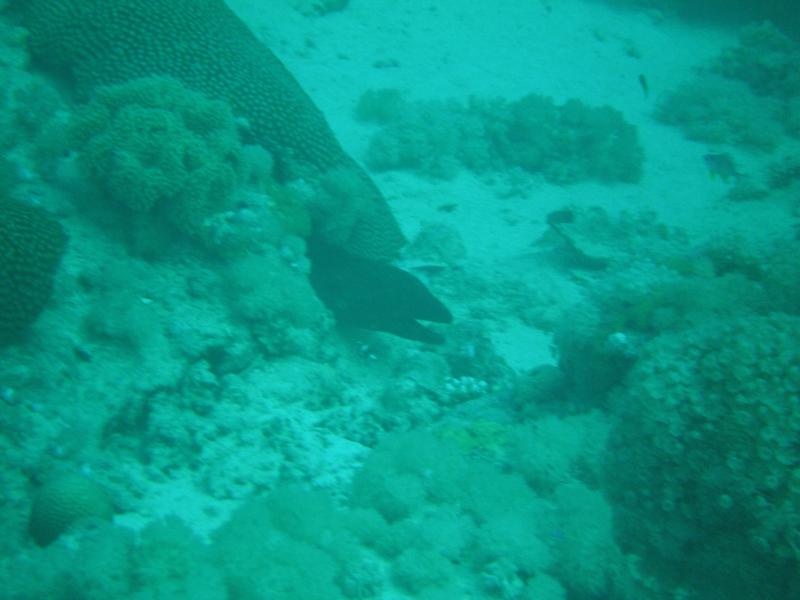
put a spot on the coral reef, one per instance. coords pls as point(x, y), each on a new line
point(181, 157)
point(672, 286)
point(430, 523)
point(166, 560)
point(565, 143)
point(766, 59)
point(290, 538)
point(305, 465)
point(273, 296)
point(722, 12)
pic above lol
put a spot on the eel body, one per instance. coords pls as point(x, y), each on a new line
point(205, 46)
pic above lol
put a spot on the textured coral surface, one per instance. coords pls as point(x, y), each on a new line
point(31, 245)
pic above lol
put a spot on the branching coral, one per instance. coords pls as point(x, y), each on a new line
point(766, 59)
point(747, 95)
point(565, 143)
point(711, 108)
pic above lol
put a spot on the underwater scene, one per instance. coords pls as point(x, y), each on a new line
point(420, 299)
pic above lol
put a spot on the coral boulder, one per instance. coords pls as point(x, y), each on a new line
point(64, 501)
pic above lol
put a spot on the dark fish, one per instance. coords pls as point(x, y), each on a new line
point(721, 165)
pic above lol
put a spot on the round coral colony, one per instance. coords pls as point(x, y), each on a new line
point(64, 502)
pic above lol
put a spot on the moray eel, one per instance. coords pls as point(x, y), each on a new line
point(203, 44)
point(372, 295)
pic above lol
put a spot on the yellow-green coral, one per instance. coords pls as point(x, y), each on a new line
point(290, 210)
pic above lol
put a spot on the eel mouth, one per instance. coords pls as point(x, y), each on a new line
point(374, 295)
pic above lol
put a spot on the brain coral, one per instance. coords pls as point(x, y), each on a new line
point(152, 144)
point(31, 245)
point(206, 47)
point(64, 501)
point(705, 453)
